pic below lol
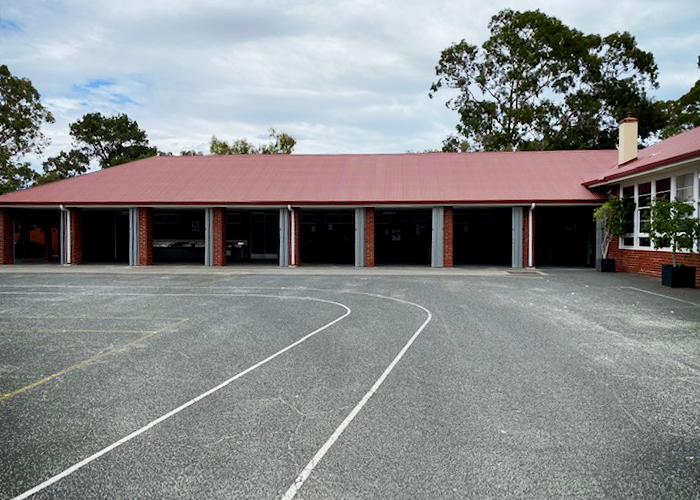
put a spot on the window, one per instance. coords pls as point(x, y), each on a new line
point(165, 219)
point(684, 187)
point(644, 212)
point(628, 240)
point(663, 188)
point(263, 217)
point(419, 217)
point(461, 218)
point(338, 218)
point(495, 218)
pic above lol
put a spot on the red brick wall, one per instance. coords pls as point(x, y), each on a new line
point(219, 237)
point(369, 237)
point(76, 236)
point(6, 234)
point(449, 237)
point(145, 257)
point(648, 262)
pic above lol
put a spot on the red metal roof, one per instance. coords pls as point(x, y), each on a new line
point(674, 149)
point(445, 178)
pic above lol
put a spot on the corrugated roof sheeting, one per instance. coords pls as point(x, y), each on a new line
point(671, 150)
point(553, 176)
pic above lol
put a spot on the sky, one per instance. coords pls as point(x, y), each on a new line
point(339, 76)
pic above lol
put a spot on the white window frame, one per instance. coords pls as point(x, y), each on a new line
point(636, 233)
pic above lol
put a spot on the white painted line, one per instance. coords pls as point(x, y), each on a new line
point(304, 475)
point(157, 421)
point(662, 295)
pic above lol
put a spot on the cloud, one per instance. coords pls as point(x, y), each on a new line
point(340, 76)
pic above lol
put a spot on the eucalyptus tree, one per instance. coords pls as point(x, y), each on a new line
point(539, 84)
point(280, 143)
point(21, 116)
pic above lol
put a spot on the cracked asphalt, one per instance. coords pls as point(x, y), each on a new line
point(565, 384)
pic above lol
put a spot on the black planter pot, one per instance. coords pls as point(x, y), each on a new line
point(678, 276)
point(605, 265)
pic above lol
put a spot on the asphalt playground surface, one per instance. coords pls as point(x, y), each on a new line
point(315, 384)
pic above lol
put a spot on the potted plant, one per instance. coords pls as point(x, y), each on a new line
point(673, 224)
point(615, 217)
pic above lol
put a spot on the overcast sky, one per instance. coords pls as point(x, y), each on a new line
point(340, 76)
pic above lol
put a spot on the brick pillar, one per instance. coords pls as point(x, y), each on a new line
point(145, 236)
point(6, 237)
point(76, 236)
point(219, 236)
point(369, 237)
point(449, 237)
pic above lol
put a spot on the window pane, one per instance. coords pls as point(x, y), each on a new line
point(628, 241)
point(628, 192)
point(684, 187)
point(663, 188)
point(461, 218)
point(644, 194)
point(644, 219)
point(644, 242)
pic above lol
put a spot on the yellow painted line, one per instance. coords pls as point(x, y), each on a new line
point(86, 362)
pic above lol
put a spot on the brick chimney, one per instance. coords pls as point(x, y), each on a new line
point(627, 146)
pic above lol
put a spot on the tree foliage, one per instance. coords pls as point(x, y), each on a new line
point(280, 143)
point(14, 175)
point(539, 84)
point(112, 140)
point(673, 224)
point(63, 166)
point(616, 219)
point(21, 118)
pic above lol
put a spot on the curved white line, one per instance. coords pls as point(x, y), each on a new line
point(157, 421)
point(306, 472)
